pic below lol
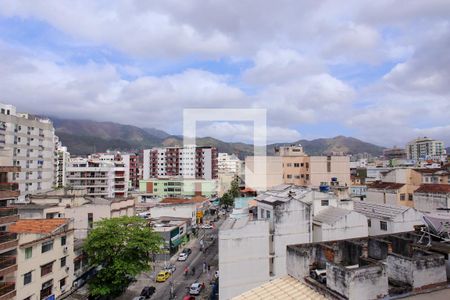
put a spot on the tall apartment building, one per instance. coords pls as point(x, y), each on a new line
point(424, 148)
point(31, 140)
point(229, 164)
point(131, 161)
point(102, 178)
point(301, 169)
point(61, 160)
point(188, 162)
point(8, 241)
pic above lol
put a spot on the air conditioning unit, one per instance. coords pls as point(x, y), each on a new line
point(67, 269)
point(75, 284)
point(65, 249)
point(63, 289)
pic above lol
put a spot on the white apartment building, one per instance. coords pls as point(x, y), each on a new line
point(229, 164)
point(31, 140)
point(425, 148)
point(44, 258)
point(102, 178)
point(252, 250)
point(188, 162)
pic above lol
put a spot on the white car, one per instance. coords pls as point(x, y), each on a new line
point(183, 256)
point(195, 288)
point(207, 226)
point(216, 274)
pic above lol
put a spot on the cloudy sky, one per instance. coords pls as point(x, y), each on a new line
point(375, 70)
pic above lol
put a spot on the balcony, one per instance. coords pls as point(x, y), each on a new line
point(8, 240)
point(8, 215)
point(7, 290)
point(7, 265)
point(9, 190)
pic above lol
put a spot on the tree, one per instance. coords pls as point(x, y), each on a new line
point(122, 247)
point(234, 188)
point(227, 199)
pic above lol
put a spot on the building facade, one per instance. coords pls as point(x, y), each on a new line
point(102, 178)
point(189, 162)
point(62, 157)
point(177, 187)
point(229, 164)
point(425, 148)
point(44, 257)
point(31, 141)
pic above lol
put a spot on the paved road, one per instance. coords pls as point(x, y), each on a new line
point(178, 279)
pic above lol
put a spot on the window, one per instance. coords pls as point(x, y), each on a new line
point(324, 202)
point(369, 222)
point(410, 197)
point(289, 165)
point(46, 269)
point(297, 165)
point(289, 176)
point(62, 283)
point(262, 213)
point(63, 240)
point(27, 278)
point(268, 214)
point(90, 220)
point(63, 262)
point(28, 252)
point(46, 289)
point(402, 197)
point(47, 246)
point(383, 225)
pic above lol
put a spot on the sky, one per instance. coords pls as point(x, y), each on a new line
point(375, 70)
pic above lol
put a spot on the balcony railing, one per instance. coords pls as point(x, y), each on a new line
point(7, 237)
point(9, 186)
point(6, 287)
point(7, 211)
point(7, 261)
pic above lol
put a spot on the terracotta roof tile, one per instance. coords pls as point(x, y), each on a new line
point(195, 199)
point(385, 185)
point(434, 188)
point(37, 225)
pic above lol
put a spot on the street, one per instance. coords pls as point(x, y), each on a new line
point(180, 282)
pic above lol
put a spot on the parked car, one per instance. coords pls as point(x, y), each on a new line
point(188, 297)
point(187, 250)
point(216, 274)
point(319, 274)
point(207, 226)
point(162, 276)
point(195, 288)
point(148, 291)
point(183, 256)
point(170, 267)
point(139, 298)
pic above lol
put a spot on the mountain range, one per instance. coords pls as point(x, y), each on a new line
point(86, 136)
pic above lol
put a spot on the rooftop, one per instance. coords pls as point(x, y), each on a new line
point(331, 215)
point(282, 193)
point(195, 199)
point(385, 185)
point(380, 211)
point(285, 288)
point(434, 188)
point(43, 226)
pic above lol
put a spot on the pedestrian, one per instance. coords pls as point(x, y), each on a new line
point(193, 270)
point(186, 271)
point(204, 267)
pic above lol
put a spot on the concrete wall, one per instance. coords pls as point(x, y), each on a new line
point(428, 202)
point(340, 168)
point(402, 223)
point(176, 210)
point(291, 226)
point(368, 282)
point(243, 258)
point(353, 225)
point(419, 271)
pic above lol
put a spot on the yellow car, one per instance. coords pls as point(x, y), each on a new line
point(162, 276)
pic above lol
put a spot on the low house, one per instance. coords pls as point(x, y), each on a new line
point(390, 193)
point(334, 223)
point(44, 257)
point(387, 219)
point(174, 231)
point(430, 197)
point(193, 208)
